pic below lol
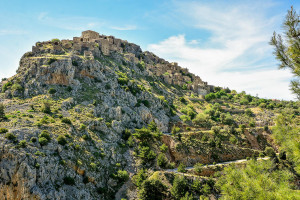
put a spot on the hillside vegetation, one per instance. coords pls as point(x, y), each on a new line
point(84, 123)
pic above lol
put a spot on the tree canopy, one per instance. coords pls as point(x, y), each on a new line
point(287, 48)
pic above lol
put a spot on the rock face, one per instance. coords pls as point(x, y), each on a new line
point(97, 84)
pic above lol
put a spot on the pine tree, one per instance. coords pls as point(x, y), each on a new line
point(287, 48)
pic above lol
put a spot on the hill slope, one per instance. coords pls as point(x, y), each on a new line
point(83, 116)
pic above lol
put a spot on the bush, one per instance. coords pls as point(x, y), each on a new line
point(3, 130)
point(126, 134)
point(182, 100)
point(143, 134)
point(61, 140)
point(181, 168)
point(123, 81)
point(2, 113)
point(163, 148)
point(180, 187)
point(6, 86)
point(23, 143)
point(269, 151)
point(69, 180)
point(152, 189)
point(46, 107)
point(55, 40)
point(10, 136)
point(140, 177)
point(187, 196)
point(198, 167)
point(43, 141)
point(248, 112)
point(82, 127)
point(282, 155)
point(52, 91)
point(175, 129)
point(162, 160)
point(146, 154)
point(45, 134)
point(51, 60)
point(122, 175)
point(66, 120)
point(33, 139)
point(16, 87)
point(210, 96)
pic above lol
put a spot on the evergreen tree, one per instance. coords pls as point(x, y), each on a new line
point(287, 48)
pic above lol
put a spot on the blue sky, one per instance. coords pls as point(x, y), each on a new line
point(224, 42)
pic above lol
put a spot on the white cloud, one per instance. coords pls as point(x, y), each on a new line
point(124, 28)
point(236, 53)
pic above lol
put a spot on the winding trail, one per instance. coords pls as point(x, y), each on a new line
point(217, 164)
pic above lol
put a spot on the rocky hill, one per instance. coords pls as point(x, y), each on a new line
point(95, 117)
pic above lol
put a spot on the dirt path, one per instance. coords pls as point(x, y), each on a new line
point(217, 164)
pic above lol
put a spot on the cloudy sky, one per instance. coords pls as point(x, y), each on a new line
point(224, 42)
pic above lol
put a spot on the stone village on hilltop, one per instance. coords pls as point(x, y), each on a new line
point(91, 44)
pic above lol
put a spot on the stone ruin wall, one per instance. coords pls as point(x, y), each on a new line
point(90, 43)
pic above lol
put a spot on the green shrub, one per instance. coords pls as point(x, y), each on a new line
point(33, 139)
point(51, 60)
point(140, 177)
point(163, 148)
point(152, 189)
point(85, 137)
point(10, 136)
point(248, 112)
point(43, 141)
point(55, 40)
point(45, 134)
point(143, 134)
point(282, 155)
point(82, 127)
point(66, 120)
point(122, 175)
point(17, 87)
point(180, 187)
point(252, 123)
point(2, 113)
point(185, 118)
point(187, 196)
point(182, 100)
point(69, 180)
point(46, 107)
point(123, 81)
point(61, 140)
point(126, 134)
point(181, 168)
point(198, 167)
point(23, 143)
point(210, 96)
point(162, 160)
point(269, 151)
point(146, 154)
point(6, 86)
point(3, 130)
point(52, 91)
